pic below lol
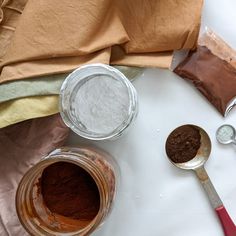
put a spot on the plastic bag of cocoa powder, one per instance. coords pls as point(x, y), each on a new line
point(212, 70)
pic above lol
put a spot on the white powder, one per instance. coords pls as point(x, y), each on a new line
point(102, 104)
point(225, 134)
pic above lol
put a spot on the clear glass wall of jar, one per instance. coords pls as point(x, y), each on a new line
point(71, 87)
point(37, 218)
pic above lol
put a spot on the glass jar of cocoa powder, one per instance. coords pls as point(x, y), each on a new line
point(69, 192)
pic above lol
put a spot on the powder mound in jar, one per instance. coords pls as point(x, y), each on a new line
point(102, 104)
point(183, 143)
point(68, 190)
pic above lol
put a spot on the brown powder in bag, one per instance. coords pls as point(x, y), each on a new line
point(212, 76)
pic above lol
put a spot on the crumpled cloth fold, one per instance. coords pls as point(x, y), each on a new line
point(21, 146)
point(57, 36)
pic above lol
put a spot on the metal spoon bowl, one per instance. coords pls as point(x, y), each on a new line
point(226, 134)
point(197, 165)
point(202, 154)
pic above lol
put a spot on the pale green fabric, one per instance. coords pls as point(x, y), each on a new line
point(47, 85)
point(131, 72)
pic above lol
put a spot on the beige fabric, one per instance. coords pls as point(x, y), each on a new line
point(58, 36)
point(161, 59)
point(9, 16)
point(51, 66)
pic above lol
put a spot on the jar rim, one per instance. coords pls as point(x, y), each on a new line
point(111, 72)
point(61, 155)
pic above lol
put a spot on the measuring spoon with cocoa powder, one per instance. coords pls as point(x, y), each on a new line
point(188, 147)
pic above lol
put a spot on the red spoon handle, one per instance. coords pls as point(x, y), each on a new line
point(227, 223)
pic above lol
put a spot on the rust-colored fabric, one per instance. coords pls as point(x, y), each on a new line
point(21, 146)
point(58, 36)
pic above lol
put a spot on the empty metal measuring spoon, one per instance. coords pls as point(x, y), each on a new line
point(226, 134)
point(197, 165)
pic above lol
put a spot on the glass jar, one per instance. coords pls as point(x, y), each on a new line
point(37, 218)
point(110, 111)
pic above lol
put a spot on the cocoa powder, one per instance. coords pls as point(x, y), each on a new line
point(70, 191)
point(183, 143)
point(212, 76)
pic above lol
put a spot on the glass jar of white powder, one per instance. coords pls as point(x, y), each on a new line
point(98, 102)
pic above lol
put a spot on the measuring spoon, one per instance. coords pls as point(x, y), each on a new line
point(197, 165)
point(226, 134)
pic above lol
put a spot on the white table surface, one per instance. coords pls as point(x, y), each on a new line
point(156, 198)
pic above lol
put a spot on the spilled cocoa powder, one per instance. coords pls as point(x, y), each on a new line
point(183, 143)
point(69, 190)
